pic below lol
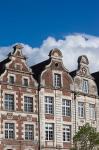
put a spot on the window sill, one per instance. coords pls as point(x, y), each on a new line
point(66, 142)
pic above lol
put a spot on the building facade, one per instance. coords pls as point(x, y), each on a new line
point(43, 106)
point(18, 104)
point(86, 99)
point(55, 102)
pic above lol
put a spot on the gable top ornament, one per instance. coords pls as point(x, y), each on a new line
point(55, 53)
point(83, 60)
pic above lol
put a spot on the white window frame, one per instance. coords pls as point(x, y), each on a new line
point(66, 109)
point(85, 87)
point(9, 101)
point(9, 130)
point(92, 112)
point(66, 133)
point(57, 81)
point(28, 104)
point(29, 131)
point(49, 105)
point(14, 76)
point(49, 131)
point(81, 109)
point(23, 81)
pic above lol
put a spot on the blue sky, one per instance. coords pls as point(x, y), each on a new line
point(32, 21)
point(41, 25)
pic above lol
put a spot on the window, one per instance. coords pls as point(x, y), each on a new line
point(28, 104)
point(66, 133)
point(85, 86)
point(9, 102)
point(66, 107)
point(9, 130)
point(11, 79)
point(49, 105)
point(25, 82)
point(49, 131)
point(29, 132)
point(57, 80)
point(92, 111)
point(79, 128)
point(81, 110)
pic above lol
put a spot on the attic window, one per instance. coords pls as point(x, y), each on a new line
point(57, 80)
point(11, 79)
point(85, 86)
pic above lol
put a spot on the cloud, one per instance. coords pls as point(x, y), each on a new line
point(72, 46)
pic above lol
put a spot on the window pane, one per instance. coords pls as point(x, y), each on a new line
point(25, 82)
point(66, 107)
point(29, 132)
point(57, 80)
point(49, 105)
point(66, 133)
point(85, 86)
point(11, 79)
point(9, 102)
point(92, 112)
point(28, 104)
point(81, 109)
point(49, 131)
point(9, 130)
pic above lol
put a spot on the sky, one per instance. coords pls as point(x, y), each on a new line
point(41, 25)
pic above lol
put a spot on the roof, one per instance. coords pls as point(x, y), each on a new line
point(73, 73)
point(3, 63)
point(38, 68)
point(96, 77)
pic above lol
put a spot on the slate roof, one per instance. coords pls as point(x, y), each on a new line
point(3, 63)
point(38, 68)
point(73, 73)
point(96, 77)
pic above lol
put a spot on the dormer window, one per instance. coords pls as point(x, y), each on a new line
point(85, 86)
point(11, 79)
point(25, 82)
point(57, 80)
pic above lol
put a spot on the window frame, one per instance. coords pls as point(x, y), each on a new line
point(8, 105)
point(81, 108)
point(27, 105)
point(9, 130)
point(92, 111)
point(57, 80)
point(24, 83)
point(49, 106)
point(49, 131)
point(85, 86)
point(28, 132)
point(66, 133)
point(66, 109)
point(11, 81)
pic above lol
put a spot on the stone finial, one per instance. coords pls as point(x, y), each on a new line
point(18, 46)
point(83, 60)
point(55, 53)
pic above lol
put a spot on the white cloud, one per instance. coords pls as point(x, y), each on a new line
point(72, 46)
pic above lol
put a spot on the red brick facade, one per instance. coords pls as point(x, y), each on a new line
point(16, 66)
